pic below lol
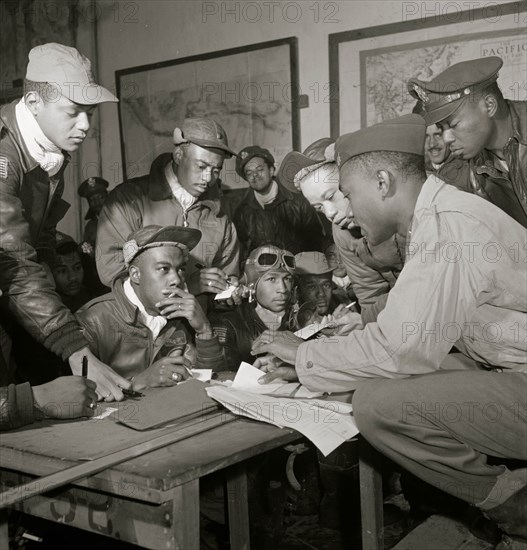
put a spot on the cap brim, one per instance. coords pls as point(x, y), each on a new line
point(184, 235)
point(207, 144)
point(300, 271)
point(443, 112)
point(91, 94)
point(290, 166)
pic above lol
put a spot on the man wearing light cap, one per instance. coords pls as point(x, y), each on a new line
point(269, 213)
point(149, 328)
point(37, 134)
point(177, 191)
point(481, 126)
point(452, 291)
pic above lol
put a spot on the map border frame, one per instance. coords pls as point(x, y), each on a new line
point(335, 39)
point(291, 42)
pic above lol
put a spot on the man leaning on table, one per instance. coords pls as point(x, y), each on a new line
point(37, 133)
point(464, 283)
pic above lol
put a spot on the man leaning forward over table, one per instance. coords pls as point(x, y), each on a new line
point(37, 134)
point(464, 283)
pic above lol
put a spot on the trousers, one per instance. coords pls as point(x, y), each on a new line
point(442, 426)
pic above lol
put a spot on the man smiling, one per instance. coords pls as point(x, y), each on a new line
point(178, 191)
point(36, 134)
point(269, 213)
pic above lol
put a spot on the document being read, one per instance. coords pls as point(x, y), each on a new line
point(324, 422)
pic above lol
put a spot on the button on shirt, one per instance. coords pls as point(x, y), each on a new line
point(464, 283)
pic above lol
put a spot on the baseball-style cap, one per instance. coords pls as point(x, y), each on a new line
point(152, 236)
point(204, 132)
point(312, 263)
point(91, 186)
point(69, 70)
point(444, 95)
point(294, 163)
point(404, 134)
point(318, 150)
point(250, 152)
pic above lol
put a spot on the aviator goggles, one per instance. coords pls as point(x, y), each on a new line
point(266, 261)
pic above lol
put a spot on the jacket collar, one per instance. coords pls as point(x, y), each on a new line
point(159, 188)
point(128, 311)
point(519, 120)
point(9, 124)
point(283, 195)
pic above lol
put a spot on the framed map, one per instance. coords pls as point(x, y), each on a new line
point(251, 91)
point(369, 68)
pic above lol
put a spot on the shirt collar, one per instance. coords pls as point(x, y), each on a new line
point(155, 323)
point(180, 193)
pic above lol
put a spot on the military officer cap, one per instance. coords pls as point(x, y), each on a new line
point(404, 134)
point(91, 186)
point(444, 95)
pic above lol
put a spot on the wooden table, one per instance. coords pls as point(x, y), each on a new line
point(152, 500)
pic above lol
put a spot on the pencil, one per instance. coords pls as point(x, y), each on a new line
point(85, 366)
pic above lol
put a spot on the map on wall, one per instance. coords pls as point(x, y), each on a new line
point(371, 71)
point(385, 73)
point(249, 93)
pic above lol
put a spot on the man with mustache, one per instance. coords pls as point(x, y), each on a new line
point(37, 135)
point(482, 127)
point(269, 213)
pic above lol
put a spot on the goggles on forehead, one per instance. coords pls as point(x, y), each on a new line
point(266, 261)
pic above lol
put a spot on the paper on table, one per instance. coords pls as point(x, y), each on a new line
point(325, 426)
point(311, 329)
point(204, 375)
point(227, 293)
point(247, 376)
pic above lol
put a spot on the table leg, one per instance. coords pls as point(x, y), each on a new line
point(371, 497)
point(238, 507)
point(4, 532)
point(186, 516)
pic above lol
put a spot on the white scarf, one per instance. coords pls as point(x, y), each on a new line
point(41, 149)
point(155, 323)
point(269, 197)
point(180, 193)
point(269, 318)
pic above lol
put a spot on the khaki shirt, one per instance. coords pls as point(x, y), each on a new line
point(464, 283)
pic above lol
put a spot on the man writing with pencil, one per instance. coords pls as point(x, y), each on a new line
point(149, 328)
point(37, 135)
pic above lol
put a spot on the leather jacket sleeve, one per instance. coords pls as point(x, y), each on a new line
point(116, 222)
point(16, 406)
point(28, 293)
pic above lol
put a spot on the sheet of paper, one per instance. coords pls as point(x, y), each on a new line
point(247, 379)
point(204, 375)
point(227, 293)
point(310, 330)
point(324, 425)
